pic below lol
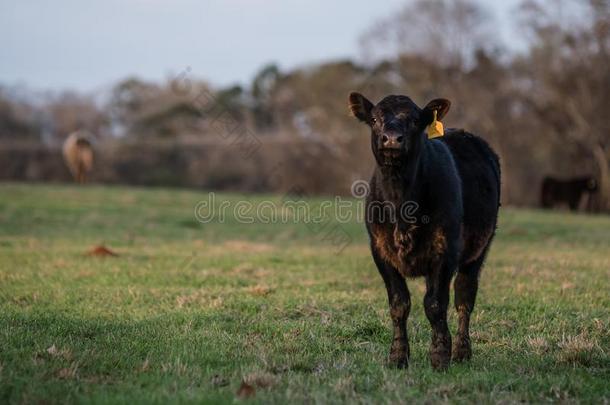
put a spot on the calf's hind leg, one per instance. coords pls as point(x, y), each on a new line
point(436, 302)
point(465, 286)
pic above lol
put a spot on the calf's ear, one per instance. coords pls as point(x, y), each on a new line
point(440, 105)
point(360, 107)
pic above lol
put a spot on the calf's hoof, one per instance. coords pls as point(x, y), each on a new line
point(462, 350)
point(440, 355)
point(399, 357)
point(398, 361)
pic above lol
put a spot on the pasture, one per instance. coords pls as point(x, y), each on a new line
point(275, 313)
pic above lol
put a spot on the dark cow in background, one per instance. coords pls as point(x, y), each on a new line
point(445, 193)
point(556, 192)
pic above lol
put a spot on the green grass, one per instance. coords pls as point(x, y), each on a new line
point(188, 310)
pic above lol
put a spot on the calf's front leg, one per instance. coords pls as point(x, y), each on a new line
point(400, 306)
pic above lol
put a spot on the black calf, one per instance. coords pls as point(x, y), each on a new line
point(450, 188)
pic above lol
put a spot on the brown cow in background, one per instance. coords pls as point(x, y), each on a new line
point(557, 192)
point(78, 154)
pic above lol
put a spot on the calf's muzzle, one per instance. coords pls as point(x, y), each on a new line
point(391, 140)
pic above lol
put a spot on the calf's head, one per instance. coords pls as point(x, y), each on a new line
point(398, 125)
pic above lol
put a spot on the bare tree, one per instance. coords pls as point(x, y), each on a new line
point(71, 112)
point(568, 62)
point(446, 32)
point(18, 119)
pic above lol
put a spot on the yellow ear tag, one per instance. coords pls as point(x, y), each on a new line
point(436, 128)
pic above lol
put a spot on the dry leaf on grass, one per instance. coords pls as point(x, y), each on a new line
point(245, 391)
point(101, 251)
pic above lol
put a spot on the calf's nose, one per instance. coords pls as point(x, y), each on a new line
point(391, 141)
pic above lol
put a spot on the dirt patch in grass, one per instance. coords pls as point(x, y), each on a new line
point(247, 247)
point(577, 349)
point(260, 290)
point(247, 269)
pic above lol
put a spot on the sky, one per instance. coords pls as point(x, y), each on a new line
point(86, 45)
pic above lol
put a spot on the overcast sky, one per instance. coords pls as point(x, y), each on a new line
point(87, 45)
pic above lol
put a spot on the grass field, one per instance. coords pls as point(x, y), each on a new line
point(188, 312)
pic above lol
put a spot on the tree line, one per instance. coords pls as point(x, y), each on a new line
point(543, 108)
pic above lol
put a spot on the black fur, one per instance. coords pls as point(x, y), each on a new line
point(556, 192)
point(446, 194)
